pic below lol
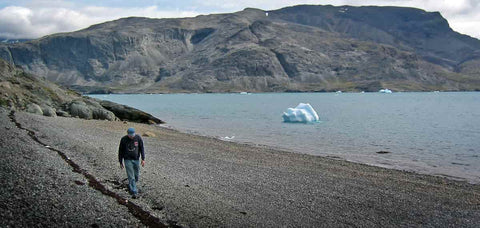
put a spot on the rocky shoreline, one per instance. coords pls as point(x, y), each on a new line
point(40, 190)
point(25, 92)
point(194, 181)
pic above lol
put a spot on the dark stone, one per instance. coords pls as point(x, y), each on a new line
point(62, 113)
point(79, 182)
point(158, 208)
point(128, 113)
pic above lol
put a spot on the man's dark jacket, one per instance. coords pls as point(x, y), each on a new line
point(130, 149)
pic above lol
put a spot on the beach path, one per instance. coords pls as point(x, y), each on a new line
point(197, 181)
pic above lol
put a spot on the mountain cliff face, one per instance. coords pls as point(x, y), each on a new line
point(301, 48)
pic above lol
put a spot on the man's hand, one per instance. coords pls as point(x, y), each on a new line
point(121, 166)
point(143, 163)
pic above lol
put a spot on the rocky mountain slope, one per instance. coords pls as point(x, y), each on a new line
point(300, 48)
point(23, 91)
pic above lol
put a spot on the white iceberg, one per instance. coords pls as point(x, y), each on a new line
point(226, 138)
point(385, 91)
point(303, 113)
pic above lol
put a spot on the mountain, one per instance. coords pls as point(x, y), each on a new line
point(299, 48)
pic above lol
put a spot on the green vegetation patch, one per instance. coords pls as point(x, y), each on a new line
point(3, 102)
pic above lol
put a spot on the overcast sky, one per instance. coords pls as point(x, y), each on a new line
point(36, 18)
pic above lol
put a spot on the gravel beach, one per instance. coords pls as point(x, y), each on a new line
point(194, 181)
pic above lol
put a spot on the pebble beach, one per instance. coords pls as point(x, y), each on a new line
point(195, 181)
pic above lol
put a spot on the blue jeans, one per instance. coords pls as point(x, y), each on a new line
point(133, 168)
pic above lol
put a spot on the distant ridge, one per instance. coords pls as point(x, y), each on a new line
point(298, 48)
point(12, 41)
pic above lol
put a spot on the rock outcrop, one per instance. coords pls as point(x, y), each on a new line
point(300, 48)
point(128, 113)
point(23, 91)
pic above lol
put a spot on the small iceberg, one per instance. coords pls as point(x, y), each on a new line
point(226, 138)
point(303, 113)
point(385, 91)
point(245, 93)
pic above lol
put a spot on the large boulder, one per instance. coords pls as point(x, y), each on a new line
point(49, 111)
point(34, 108)
point(103, 114)
point(131, 114)
point(80, 109)
point(90, 109)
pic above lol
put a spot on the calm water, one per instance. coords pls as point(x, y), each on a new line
point(433, 133)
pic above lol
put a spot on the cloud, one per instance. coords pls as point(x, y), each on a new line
point(36, 18)
point(468, 23)
point(462, 15)
point(233, 5)
point(150, 11)
point(23, 22)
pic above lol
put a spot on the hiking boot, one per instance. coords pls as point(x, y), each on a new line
point(135, 195)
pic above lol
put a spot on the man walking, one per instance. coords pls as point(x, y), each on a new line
point(129, 151)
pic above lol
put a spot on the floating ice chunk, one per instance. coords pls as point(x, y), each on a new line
point(385, 91)
point(226, 138)
point(303, 113)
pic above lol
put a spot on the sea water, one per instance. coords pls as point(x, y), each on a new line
point(430, 133)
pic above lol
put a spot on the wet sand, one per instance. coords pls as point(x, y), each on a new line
point(195, 181)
